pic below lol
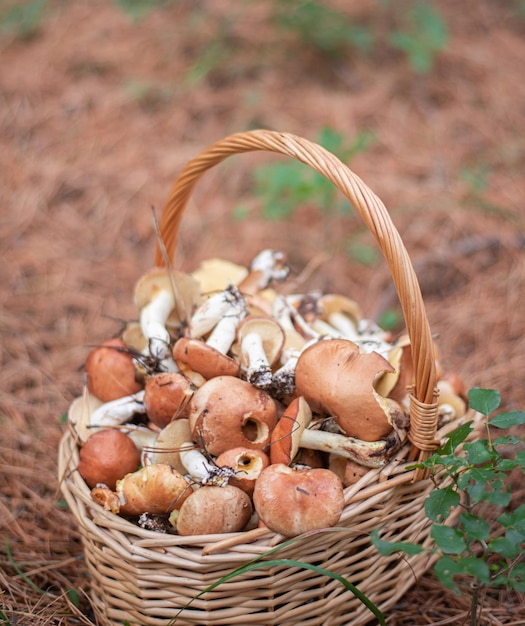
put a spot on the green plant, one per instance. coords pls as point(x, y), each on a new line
point(23, 19)
point(475, 477)
point(425, 35)
point(326, 29)
point(284, 186)
point(137, 10)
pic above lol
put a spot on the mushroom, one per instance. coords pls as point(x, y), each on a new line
point(156, 488)
point(167, 445)
point(164, 298)
point(337, 379)
point(292, 501)
point(216, 274)
point(292, 433)
point(117, 411)
point(166, 397)
point(348, 471)
point(227, 412)
point(268, 266)
point(210, 510)
point(107, 456)
point(247, 464)
point(222, 305)
point(199, 361)
point(110, 371)
point(261, 341)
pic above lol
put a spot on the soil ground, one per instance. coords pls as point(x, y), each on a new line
point(99, 112)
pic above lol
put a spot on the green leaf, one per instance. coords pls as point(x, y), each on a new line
point(455, 438)
point(476, 567)
point(475, 527)
point(73, 596)
point(504, 547)
point(510, 440)
point(449, 540)
point(386, 548)
point(484, 401)
point(445, 570)
point(517, 577)
point(508, 419)
point(515, 520)
point(439, 502)
point(478, 452)
point(4, 619)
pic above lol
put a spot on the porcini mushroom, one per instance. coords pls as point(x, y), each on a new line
point(261, 340)
point(292, 433)
point(292, 501)
point(337, 379)
point(227, 412)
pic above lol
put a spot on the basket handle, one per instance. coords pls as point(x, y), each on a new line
point(423, 396)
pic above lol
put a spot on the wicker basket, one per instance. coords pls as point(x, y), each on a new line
point(145, 578)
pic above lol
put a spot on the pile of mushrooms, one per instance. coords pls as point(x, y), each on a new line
point(228, 405)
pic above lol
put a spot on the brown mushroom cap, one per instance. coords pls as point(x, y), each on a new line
point(338, 380)
point(286, 436)
point(211, 509)
point(110, 371)
point(107, 456)
point(200, 362)
point(247, 463)
point(166, 397)
point(293, 501)
point(156, 488)
point(227, 412)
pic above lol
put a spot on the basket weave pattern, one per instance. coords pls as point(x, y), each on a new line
point(146, 577)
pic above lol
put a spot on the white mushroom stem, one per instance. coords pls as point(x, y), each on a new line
point(283, 379)
point(272, 265)
point(291, 320)
point(224, 333)
point(118, 411)
point(153, 319)
point(207, 316)
point(258, 365)
point(196, 464)
point(369, 454)
point(343, 324)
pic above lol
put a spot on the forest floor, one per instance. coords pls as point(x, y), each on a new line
point(99, 111)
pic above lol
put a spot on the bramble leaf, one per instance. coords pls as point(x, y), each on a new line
point(439, 503)
point(445, 569)
point(455, 438)
point(387, 548)
point(504, 547)
point(508, 419)
point(476, 567)
point(475, 527)
point(449, 540)
point(478, 452)
point(484, 401)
